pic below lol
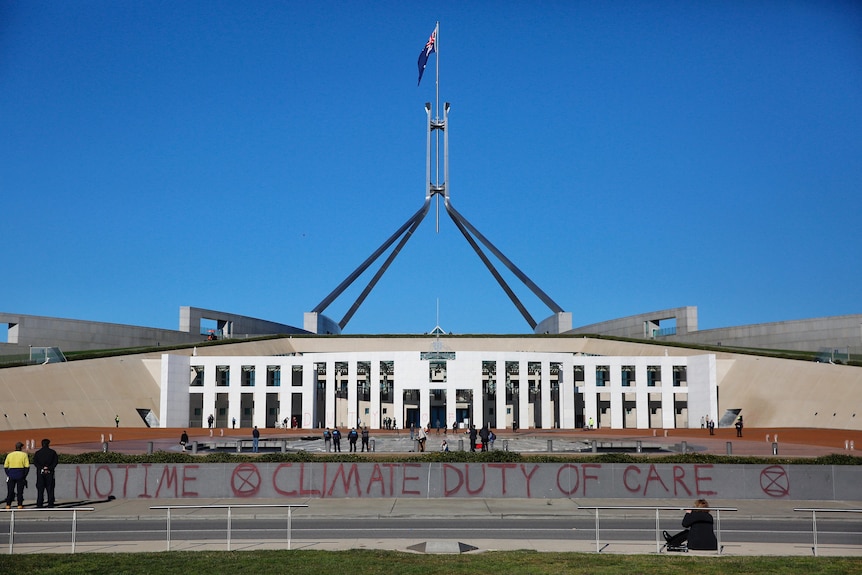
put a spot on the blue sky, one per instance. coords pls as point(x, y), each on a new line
point(247, 156)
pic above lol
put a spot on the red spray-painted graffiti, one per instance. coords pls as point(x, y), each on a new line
point(325, 480)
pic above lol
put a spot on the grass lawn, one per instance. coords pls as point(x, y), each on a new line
point(360, 562)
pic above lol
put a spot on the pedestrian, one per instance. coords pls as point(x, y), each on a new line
point(365, 437)
point(211, 419)
point(45, 460)
point(412, 431)
point(711, 425)
point(454, 427)
point(484, 434)
point(184, 439)
point(233, 422)
point(472, 434)
point(702, 422)
point(738, 426)
point(491, 439)
point(117, 420)
point(327, 439)
point(255, 437)
point(437, 426)
point(352, 436)
point(423, 437)
point(336, 440)
point(591, 423)
point(444, 447)
point(16, 466)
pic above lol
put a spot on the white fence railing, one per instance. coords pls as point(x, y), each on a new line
point(229, 508)
point(74, 511)
point(658, 536)
point(814, 511)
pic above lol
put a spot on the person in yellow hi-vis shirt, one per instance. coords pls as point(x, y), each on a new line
point(16, 466)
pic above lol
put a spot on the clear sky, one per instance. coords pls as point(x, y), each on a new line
point(628, 156)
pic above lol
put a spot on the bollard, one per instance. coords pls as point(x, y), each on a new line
point(415, 446)
point(194, 447)
point(211, 431)
point(665, 432)
point(239, 446)
point(110, 437)
point(639, 447)
point(284, 446)
point(653, 432)
point(776, 438)
point(373, 443)
point(550, 445)
point(460, 445)
point(221, 432)
point(846, 444)
point(103, 438)
point(595, 446)
point(684, 447)
point(104, 447)
point(767, 438)
point(851, 445)
point(729, 446)
point(150, 448)
point(774, 449)
point(505, 445)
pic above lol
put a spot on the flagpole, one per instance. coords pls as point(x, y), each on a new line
point(437, 117)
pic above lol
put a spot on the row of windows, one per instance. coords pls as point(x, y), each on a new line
point(273, 375)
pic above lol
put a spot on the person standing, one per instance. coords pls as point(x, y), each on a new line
point(711, 425)
point(738, 426)
point(184, 440)
point(423, 437)
point(210, 420)
point(352, 436)
point(16, 466)
point(472, 437)
point(45, 461)
point(365, 437)
point(327, 439)
point(255, 438)
point(117, 420)
point(484, 435)
point(336, 440)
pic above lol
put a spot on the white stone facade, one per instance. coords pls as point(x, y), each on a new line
point(534, 390)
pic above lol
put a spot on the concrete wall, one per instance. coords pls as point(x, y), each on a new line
point(462, 480)
point(231, 324)
point(78, 335)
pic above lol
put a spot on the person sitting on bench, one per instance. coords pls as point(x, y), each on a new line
point(698, 533)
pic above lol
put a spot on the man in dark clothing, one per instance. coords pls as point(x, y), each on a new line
point(352, 436)
point(472, 437)
point(484, 433)
point(365, 437)
point(45, 460)
point(739, 427)
point(336, 440)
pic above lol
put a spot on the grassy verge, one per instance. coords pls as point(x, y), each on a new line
point(361, 562)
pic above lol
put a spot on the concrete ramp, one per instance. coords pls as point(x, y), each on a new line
point(442, 546)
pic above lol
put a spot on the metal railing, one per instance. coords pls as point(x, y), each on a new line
point(658, 509)
point(814, 511)
point(74, 511)
point(229, 509)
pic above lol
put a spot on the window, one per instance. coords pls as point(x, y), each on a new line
point(680, 375)
point(653, 375)
point(628, 374)
point(247, 376)
point(602, 375)
point(273, 376)
point(198, 379)
point(222, 375)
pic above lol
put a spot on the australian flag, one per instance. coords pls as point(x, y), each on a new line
point(430, 48)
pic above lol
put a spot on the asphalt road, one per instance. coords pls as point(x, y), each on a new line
point(783, 530)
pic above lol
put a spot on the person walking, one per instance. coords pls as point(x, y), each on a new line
point(16, 466)
point(184, 440)
point(255, 438)
point(423, 437)
point(45, 461)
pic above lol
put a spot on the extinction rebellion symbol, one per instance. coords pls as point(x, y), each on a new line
point(774, 481)
point(245, 480)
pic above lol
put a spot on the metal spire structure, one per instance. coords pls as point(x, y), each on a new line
point(316, 322)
